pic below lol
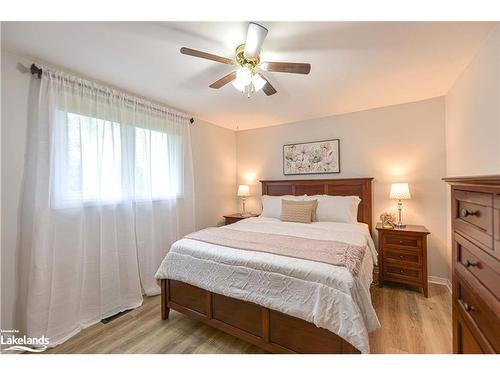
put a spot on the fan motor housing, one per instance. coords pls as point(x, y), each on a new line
point(246, 61)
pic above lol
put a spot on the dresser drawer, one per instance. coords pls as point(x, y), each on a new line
point(403, 257)
point(402, 241)
point(475, 197)
point(464, 340)
point(401, 273)
point(480, 237)
point(474, 216)
point(496, 231)
point(471, 301)
point(474, 261)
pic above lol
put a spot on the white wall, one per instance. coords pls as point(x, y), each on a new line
point(214, 158)
point(397, 143)
point(473, 114)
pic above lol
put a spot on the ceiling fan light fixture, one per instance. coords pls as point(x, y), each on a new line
point(258, 82)
point(238, 86)
point(247, 78)
point(243, 76)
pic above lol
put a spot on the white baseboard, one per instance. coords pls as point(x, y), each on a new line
point(441, 281)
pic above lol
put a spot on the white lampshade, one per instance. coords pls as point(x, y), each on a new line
point(400, 190)
point(258, 82)
point(243, 79)
point(243, 76)
point(243, 191)
point(239, 86)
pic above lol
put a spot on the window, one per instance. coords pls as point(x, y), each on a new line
point(100, 161)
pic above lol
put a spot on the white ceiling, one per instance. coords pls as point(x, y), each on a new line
point(355, 65)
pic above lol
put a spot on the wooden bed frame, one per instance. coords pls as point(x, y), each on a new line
point(269, 329)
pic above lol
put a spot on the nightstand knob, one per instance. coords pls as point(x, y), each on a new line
point(401, 271)
point(401, 242)
point(401, 257)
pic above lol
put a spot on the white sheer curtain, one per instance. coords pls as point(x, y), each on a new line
point(108, 188)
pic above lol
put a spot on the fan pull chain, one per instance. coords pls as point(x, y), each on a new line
point(250, 89)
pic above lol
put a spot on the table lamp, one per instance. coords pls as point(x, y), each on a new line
point(243, 191)
point(400, 191)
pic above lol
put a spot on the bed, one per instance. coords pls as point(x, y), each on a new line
point(281, 304)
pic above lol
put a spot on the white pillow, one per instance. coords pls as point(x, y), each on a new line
point(336, 208)
point(271, 204)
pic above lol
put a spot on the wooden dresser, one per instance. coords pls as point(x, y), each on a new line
point(475, 218)
point(402, 255)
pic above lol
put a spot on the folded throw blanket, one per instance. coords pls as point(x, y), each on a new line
point(331, 252)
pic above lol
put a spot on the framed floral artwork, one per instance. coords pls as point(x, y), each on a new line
point(312, 157)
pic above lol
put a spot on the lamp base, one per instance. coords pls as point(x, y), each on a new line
point(399, 224)
point(245, 214)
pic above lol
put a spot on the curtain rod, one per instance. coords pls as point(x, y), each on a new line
point(38, 71)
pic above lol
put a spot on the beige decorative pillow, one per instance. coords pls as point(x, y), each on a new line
point(298, 211)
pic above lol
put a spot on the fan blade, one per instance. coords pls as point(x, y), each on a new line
point(223, 81)
point(205, 55)
point(268, 88)
point(255, 38)
point(286, 67)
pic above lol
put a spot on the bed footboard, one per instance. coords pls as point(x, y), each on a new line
point(268, 329)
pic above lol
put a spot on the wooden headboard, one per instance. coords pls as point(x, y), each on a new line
point(362, 187)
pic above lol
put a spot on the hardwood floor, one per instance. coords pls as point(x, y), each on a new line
point(410, 324)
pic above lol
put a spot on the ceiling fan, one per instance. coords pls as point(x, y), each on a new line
point(248, 77)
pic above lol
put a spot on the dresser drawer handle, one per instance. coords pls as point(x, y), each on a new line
point(467, 263)
point(401, 271)
point(465, 212)
point(401, 257)
point(401, 242)
point(466, 306)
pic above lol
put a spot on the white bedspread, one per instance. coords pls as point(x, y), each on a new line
point(323, 294)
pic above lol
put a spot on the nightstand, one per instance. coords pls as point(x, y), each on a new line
point(231, 219)
point(402, 255)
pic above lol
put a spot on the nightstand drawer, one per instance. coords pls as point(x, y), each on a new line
point(402, 273)
point(403, 257)
point(402, 241)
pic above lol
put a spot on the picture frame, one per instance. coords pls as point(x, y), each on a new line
point(317, 157)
